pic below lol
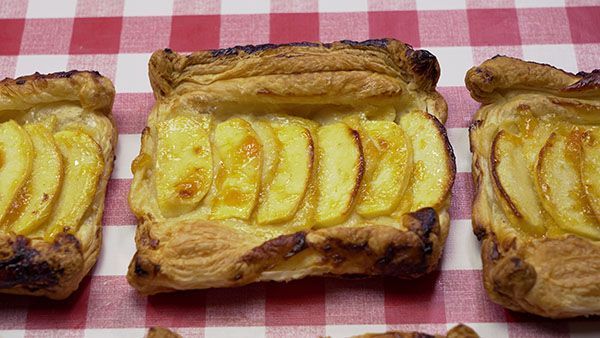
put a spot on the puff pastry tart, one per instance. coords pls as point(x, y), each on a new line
point(276, 162)
point(57, 140)
point(536, 166)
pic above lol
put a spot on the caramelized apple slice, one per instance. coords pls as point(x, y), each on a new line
point(514, 185)
point(43, 187)
point(559, 183)
point(238, 177)
point(341, 167)
point(391, 172)
point(590, 169)
point(183, 164)
point(16, 159)
point(285, 192)
point(83, 166)
point(434, 167)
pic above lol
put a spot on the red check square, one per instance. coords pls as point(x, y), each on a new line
point(114, 303)
point(180, 309)
point(401, 25)
point(300, 302)
point(416, 301)
point(136, 36)
point(70, 313)
point(131, 111)
point(116, 198)
point(466, 299)
point(243, 306)
point(550, 329)
point(392, 5)
point(434, 28)
point(79, 333)
point(195, 7)
point(294, 6)
point(294, 27)
point(351, 26)
point(95, 8)
point(46, 36)
point(96, 35)
point(492, 27)
point(14, 312)
point(8, 65)
point(587, 56)
point(294, 331)
point(191, 33)
point(106, 64)
point(462, 190)
point(584, 23)
point(248, 29)
point(11, 33)
point(13, 9)
point(351, 302)
point(544, 25)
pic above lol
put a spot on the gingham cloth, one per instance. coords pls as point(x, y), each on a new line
point(116, 38)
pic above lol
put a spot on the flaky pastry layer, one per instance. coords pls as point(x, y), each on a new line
point(40, 263)
point(320, 85)
point(533, 209)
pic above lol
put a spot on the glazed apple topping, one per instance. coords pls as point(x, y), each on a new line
point(275, 171)
point(550, 187)
point(49, 179)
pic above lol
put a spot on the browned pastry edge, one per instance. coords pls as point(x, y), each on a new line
point(509, 273)
point(419, 66)
point(356, 252)
point(459, 331)
point(337, 251)
point(34, 266)
point(161, 332)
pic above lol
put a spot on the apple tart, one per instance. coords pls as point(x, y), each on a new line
point(536, 166)
point(276, 162)
point(57, 140)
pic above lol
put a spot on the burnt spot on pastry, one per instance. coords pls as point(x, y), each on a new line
point(425, 64)
point(380, 43)
point(251, 49)
point(283, 246)
point(33, 268)
point(423, 222)
point(24, 268)
point(57, 75)
point(588, 81)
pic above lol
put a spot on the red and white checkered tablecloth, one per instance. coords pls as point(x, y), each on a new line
point(116, 38)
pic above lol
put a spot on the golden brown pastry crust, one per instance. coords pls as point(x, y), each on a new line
point(187, 254)
point(459, 331)
point(553, 275)
point(33, 266)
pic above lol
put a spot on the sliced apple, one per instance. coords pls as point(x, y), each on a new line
point(285, 192)
point(43, 187)
point(341, 167)
point(590, 169)
point(239, 175)
point(83, 166)
point(391, 173)
point(271, 148)
point(16, 162)
point(514, 185)
point(559, 183)
point(434, 167)
point(183, 164)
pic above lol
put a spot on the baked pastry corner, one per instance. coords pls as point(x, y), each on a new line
point(536, 165)
point(57, 141)
point(282, 141)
